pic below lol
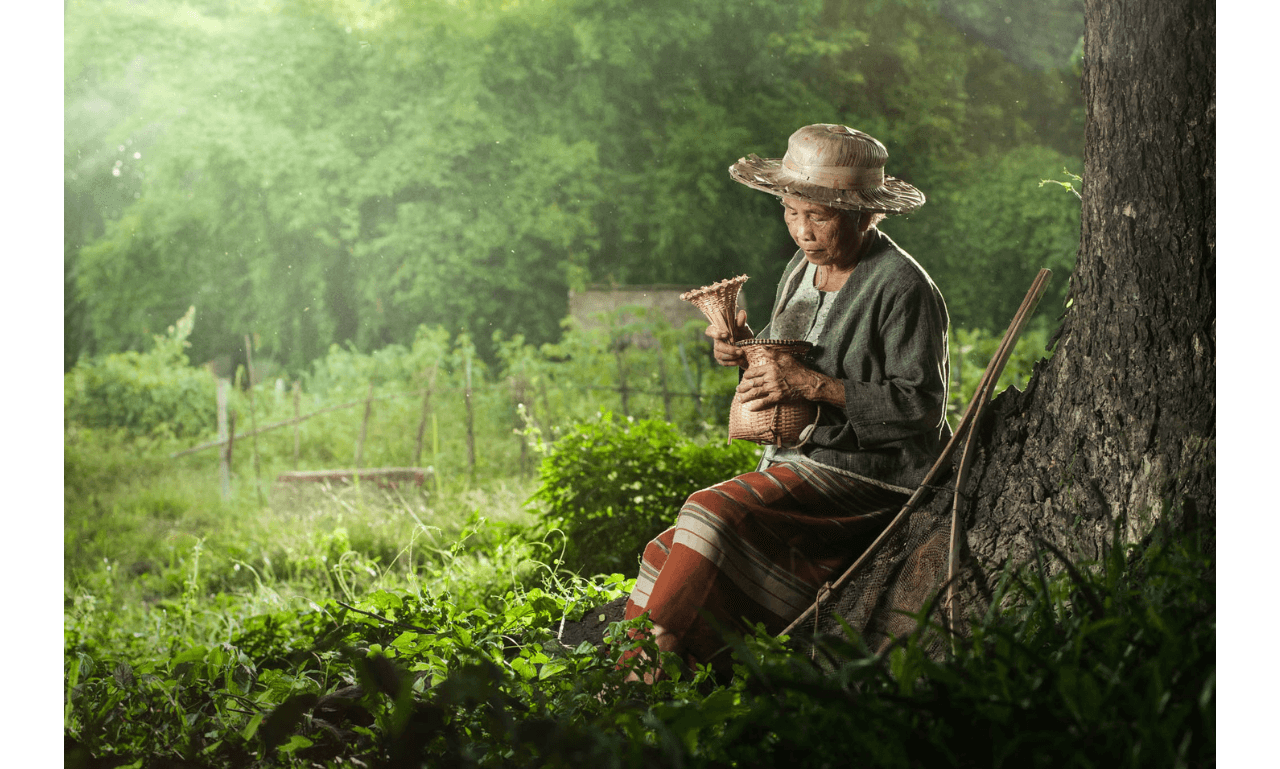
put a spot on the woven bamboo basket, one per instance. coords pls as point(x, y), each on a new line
point(782, 424)
point(719, 302)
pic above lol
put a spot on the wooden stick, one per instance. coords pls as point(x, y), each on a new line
point(226, 456)
point(422, 423)
point(662, 379)
point(224, 467)
point(622, 380)
point(1033, 296)
point(688, 377)
point(518, 398)
point(253, 420)
point(364, 426)
point(985, 392)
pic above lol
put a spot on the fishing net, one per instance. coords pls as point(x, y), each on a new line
point(906, 576)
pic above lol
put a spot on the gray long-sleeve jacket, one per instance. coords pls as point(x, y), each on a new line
point(886, 340)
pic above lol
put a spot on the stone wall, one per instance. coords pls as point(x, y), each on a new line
point(587, 307)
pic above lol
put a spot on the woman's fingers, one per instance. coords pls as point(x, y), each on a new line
point(770, 382)
point(724, 351)
point(759, 386)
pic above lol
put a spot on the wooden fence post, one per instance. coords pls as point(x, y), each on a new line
point(622, 379)
point(226, 455)
point(224, 466)
point(688, 376)
point(253, 421)
point(364, 427)
point(662, 378)
point(422, 423)
point(518, 397)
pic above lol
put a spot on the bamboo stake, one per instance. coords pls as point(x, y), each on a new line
point(662, 379)
point(226, 455)
point(688, 376)
point(253, 421)
point(622, 380)
point(364, 427)
point(224, 464)
point(985, 393)
point(966, 422)
point(422, 422)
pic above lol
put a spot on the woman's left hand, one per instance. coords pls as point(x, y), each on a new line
point(775, 379)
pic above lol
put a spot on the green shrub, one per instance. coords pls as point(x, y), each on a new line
point(151, 393)
point(612, 484)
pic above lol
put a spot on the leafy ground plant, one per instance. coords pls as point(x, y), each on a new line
point(1108, 664)
point(612, 484)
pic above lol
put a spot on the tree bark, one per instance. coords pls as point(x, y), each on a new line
point(1120, 422)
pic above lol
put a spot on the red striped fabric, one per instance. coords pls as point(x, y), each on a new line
point(756, 548)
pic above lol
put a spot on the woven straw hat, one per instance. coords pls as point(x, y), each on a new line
point(834, 165)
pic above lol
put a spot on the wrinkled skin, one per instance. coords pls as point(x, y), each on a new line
point(833, 243)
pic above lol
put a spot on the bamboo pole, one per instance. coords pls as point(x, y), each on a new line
point(622, 379)
point(422, 422)
point(226, 454)
point(253, 421)
point(224, 462)
point(986, 389)
point(662, 379)
point(689, 380)
point(364, 427)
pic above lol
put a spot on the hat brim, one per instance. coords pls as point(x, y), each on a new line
point(894, 196)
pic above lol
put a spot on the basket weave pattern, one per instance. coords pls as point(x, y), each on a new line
point(781, 424)
point(719, 302)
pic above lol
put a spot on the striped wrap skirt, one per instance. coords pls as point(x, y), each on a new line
point(756, 549)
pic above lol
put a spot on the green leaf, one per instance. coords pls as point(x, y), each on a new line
point(523, 668)
point(251, 728)
point(296, 742)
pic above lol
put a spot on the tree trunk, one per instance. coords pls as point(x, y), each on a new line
point(1120, 423)
point(1118, 426)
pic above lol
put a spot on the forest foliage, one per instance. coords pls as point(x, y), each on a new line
point(392, 200)
point(335, 171)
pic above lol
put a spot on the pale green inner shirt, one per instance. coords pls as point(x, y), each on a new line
point(803, 317)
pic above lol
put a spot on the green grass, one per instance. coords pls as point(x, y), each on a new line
point(345, 623)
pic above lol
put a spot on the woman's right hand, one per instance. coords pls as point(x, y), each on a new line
point(726, 354)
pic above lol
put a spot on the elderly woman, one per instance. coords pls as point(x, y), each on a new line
point(756, 548)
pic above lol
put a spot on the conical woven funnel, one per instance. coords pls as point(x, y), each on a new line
point(719, 302)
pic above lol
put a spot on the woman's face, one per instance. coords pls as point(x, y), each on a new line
point(826, 237)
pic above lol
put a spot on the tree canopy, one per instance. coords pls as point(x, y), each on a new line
point(338, 171)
